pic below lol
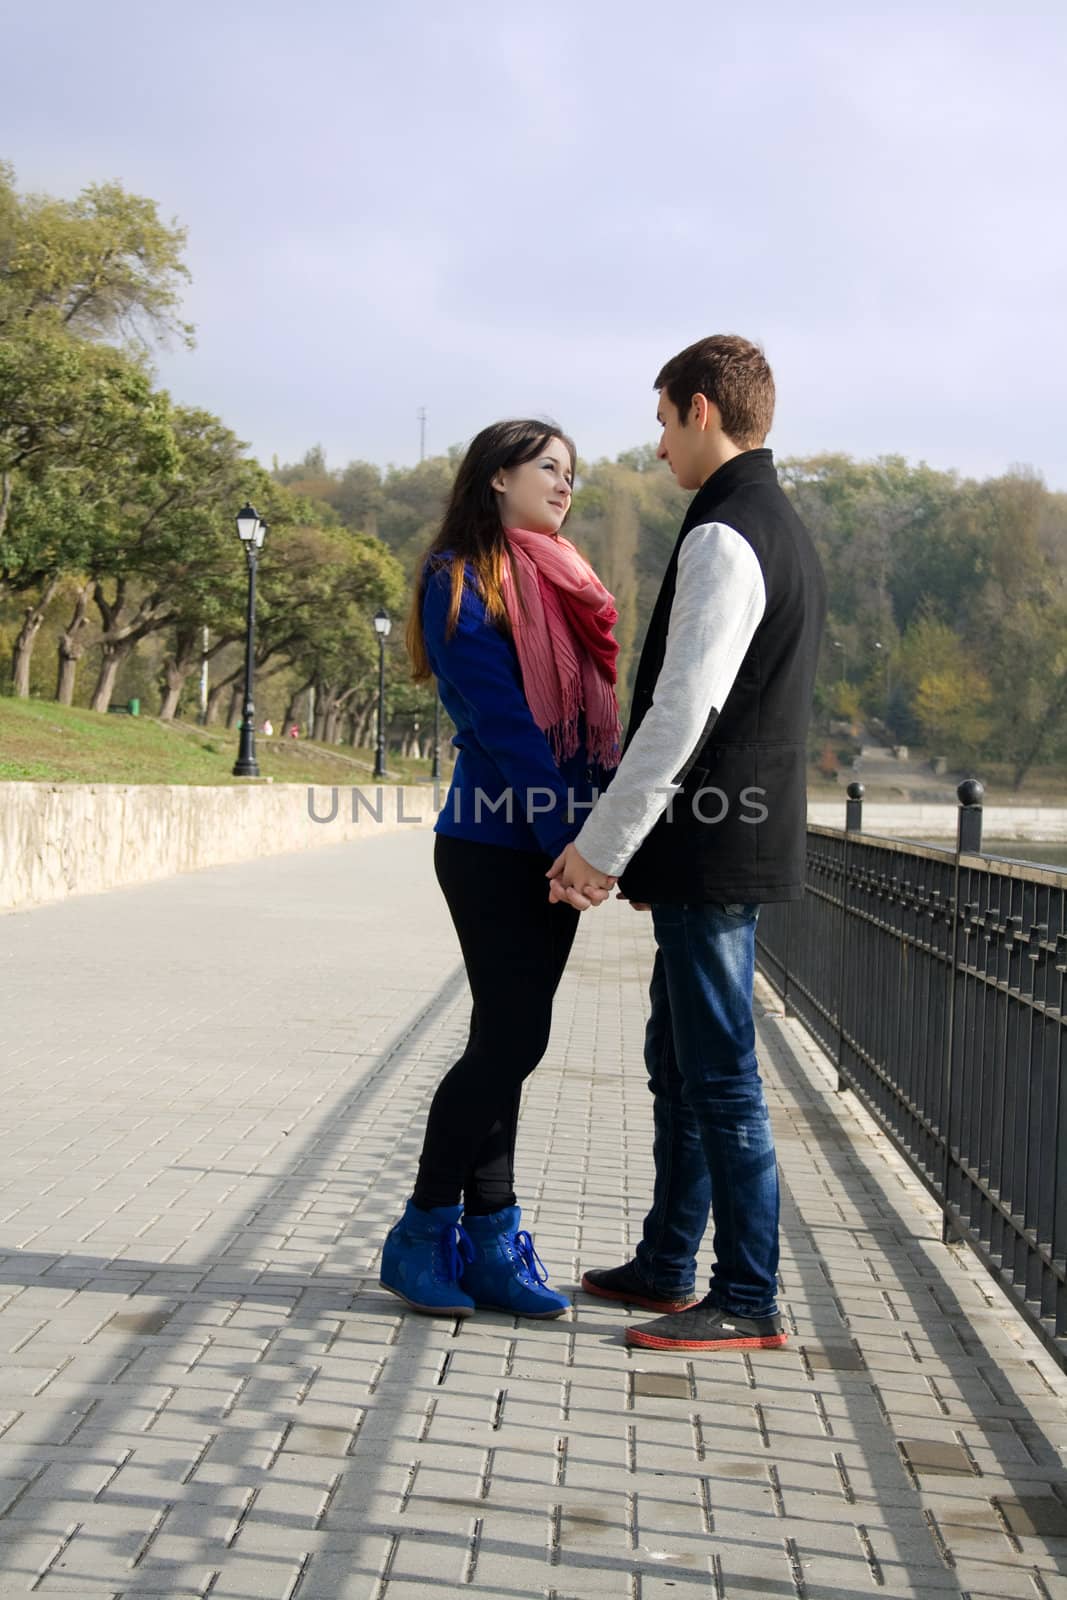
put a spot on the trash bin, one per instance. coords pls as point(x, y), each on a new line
point(135, 708)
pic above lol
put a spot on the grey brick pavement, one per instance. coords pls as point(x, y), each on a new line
point(213, 1096)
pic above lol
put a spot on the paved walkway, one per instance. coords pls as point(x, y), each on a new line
point(213, 1096)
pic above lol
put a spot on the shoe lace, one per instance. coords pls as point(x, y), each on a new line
point(532, 1262)
point(454, 1250)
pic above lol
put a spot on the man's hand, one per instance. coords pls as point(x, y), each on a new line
point(635, 905)
point(574, 882)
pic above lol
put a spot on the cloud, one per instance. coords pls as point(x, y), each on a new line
point(487, 212)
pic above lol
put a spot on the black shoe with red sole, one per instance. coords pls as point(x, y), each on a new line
point(625, 1285)
point(708, 1327)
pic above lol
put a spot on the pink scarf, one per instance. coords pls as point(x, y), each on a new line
point(562, 626)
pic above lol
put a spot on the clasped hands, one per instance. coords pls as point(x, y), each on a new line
point(573, 881)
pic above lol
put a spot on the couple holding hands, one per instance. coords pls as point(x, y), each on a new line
point(699, 817)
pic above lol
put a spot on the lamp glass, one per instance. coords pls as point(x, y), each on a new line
point(247, 522)
point(382, 623)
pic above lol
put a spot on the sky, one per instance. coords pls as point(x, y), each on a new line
point(488, 211)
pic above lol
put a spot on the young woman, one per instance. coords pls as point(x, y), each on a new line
point(517, 629)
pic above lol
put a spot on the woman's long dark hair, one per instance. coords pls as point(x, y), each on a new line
point(472, 531)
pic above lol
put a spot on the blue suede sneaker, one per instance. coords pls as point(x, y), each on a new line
point(423, 1258)
point(505, 1272)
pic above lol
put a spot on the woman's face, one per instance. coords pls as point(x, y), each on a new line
point(537, 494)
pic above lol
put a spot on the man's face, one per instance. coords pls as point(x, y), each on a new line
point(678, 445)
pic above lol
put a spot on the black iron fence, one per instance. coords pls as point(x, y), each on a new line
point(935, 980)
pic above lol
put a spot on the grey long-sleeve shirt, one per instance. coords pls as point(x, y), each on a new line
point(718, 603)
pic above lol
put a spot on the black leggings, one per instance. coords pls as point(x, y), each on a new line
point(515, 946)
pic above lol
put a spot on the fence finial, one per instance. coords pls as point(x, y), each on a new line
point(969, 823)
point(854, 808)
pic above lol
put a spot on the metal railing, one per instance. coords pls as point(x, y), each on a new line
point(935, 981)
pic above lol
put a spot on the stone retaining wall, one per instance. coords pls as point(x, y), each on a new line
point(63, 839)
point(1044, 824)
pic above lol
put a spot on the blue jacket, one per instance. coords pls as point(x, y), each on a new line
point(501, 748)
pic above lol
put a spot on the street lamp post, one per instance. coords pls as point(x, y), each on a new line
point(435, 767)
point(251, 530)
point(382, 625)
point(839, 646)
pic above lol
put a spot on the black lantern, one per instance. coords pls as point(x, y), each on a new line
point(251, 530)
point(382, 624)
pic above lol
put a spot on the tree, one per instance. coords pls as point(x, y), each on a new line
point(77, 416)
point(625, 520)
point(357, 498)
point(71, 643)
point(105, 430)
point(103, 267)
point(165, 555)
point(606, 526)
point(1021, 621)
point(413, 501)
point(354, 493)
point(949, 692)
point(69, 407)
point(47, 516)
point(74, 274)
point(879, 529)
point(324, 594)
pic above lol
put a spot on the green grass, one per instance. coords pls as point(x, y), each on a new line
point(49, 743)
point(1043, 785)
point(62, 744)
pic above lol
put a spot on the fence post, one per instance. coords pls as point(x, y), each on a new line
point(854, 808)
point(969, 829)
point(968, 842)
point(853, 824)
point(785, 957)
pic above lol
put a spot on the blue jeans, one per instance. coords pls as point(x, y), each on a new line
point(713, 1144)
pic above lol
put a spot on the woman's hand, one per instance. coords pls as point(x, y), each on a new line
point(576, 882)
point(581, 897)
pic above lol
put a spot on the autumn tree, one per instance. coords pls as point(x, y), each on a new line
point(85, 284)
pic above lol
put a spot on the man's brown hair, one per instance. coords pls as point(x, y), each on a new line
point(734, 374)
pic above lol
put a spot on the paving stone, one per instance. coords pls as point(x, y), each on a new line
point(1043, 1515)
point(190, 1223)
point(139, 1322)
point(303, 1440)
point(928, 1456)
point(77, 1588)
point(665, 1384)
point(835, 1358)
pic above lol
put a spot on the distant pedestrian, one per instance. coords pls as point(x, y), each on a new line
point(294, 732)
point(268, 727)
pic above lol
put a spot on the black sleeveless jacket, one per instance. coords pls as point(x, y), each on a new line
point(737, 830)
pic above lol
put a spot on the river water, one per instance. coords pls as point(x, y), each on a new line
point(1045, 855)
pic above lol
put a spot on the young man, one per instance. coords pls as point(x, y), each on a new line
point(705, 819)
